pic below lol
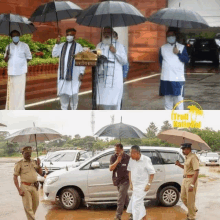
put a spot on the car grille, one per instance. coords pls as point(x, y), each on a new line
point(212, 160)
point(51, 169)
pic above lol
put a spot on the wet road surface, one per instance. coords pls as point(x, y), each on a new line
point(202, 87)
point(208, 202)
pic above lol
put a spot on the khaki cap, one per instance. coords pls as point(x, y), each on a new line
point(26, 149)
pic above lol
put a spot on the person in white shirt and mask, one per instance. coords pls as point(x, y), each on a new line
point(109, 87)
point(17, 55)
point(69, 76)
point(141, 174)
point(172, 57)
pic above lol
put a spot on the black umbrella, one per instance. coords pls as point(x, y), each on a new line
point(179, 18)
point(10, 22)
point(120, 130)
point(55, 11)
point(112, 14)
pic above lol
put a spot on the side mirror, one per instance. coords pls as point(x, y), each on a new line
point(95, 165)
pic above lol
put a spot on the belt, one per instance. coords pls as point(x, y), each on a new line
point(28, 184)
point(188, 176)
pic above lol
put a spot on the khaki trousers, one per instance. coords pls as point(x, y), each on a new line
point(30, 201)
point(189, 198)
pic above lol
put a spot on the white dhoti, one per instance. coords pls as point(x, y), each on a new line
point(136, 205)
point(16, 92)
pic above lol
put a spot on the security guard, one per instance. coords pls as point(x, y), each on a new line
point(190, 180)
point(27, 169)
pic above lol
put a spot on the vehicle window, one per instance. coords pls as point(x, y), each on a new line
point(104, 161)
point(203, 154)
point(153, 156)
point(171, 157)
point(212, 155)
point(67, 156)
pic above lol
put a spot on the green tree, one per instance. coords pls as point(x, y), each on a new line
point(152, 130)
point(166, 126)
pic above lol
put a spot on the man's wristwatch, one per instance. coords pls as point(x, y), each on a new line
point(192, 185)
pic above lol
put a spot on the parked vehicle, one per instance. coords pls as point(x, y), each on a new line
point(212, 159)
point(205, 50)
point(92, 180)
point(189, 46)
point(63, 159)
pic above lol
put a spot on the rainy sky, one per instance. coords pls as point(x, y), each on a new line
point(79, 122)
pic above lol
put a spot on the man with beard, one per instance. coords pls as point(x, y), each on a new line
point(190, 180)
point(69, 75)
point(109, 88)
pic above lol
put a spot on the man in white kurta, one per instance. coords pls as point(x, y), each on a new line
point(141, 176)
point(17, 55)
point(173, 57)
point(68, 90)
point(110, 75)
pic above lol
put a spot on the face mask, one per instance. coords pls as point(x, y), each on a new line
point(69, 38)
point(171, 40)
point(16, 39)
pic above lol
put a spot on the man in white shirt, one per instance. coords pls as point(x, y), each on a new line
point(17, 55)
point(172, 57)
point(69, 76)
point(109, 74)
point(141, 176)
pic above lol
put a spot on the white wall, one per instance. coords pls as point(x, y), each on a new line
point(122, 35)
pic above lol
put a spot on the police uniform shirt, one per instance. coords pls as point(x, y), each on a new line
point(26, 170)
point(191, 164)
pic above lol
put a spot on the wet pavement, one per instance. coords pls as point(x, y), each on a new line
point(202, 86)
point(208, 202)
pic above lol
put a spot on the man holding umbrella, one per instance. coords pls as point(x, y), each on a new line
point(17, 55)
point(110, 74)
point(28, 169)
point(69, 75)
point(172, 57)
point(190, 181)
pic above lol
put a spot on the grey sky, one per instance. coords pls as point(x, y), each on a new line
point(79, 122)
point(208, 9)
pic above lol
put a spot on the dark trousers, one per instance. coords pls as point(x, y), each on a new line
point(123, 198)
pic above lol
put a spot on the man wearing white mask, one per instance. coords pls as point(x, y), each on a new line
point(69, 76)
point(173, 57)
point(110, 74)
point(17, 55)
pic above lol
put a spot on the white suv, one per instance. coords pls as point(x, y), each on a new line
point(92, 180)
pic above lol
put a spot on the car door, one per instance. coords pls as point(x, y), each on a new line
point(172, 172)
point(159, 169)
point(100, 183)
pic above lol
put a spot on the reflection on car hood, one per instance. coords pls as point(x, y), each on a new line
point(60, 172)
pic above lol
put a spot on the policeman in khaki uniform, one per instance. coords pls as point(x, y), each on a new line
point(27, 169)
point(190, 180)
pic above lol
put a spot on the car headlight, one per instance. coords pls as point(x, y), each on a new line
point(51, 180)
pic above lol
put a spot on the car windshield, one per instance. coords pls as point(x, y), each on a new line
point(212, 155)
point(204, 43)
point(61, 156)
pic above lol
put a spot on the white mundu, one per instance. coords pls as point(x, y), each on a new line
point(140, 171)
point(68, 89)
point(17, 69)
point(110, 76)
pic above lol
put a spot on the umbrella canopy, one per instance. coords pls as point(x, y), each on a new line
point(119, 131)
point(34, 134)
point(112, 14)
point(179, 18)
point(55, 11)
point(10, 22)
point(179, 137)
point(2, 125)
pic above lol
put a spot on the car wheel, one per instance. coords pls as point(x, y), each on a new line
point(70, 198)
point(169, 196)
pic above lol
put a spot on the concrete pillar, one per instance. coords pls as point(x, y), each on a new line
point(122, 35)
